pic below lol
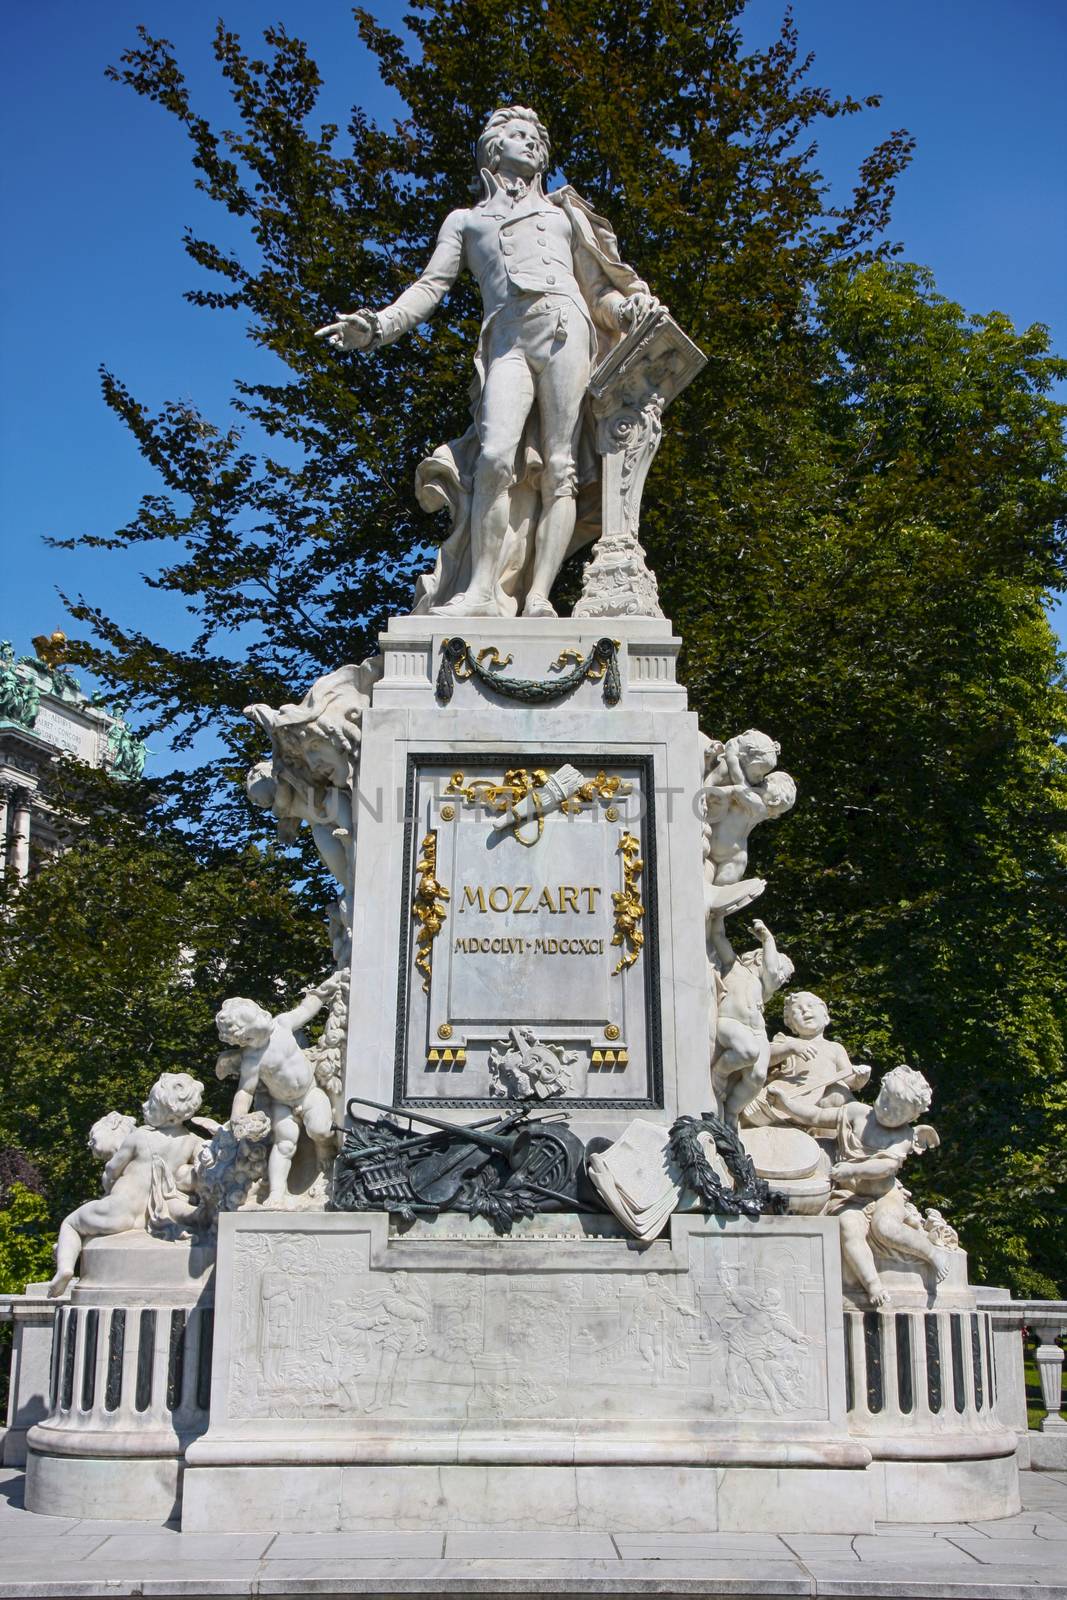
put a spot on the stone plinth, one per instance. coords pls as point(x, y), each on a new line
point(131, 1360)
point(446, 1377)
point(462, 931)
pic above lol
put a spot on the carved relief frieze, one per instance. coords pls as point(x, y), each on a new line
point(320, 1334)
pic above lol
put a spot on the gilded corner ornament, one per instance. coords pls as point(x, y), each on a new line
point(429, 907)
point(629, 908)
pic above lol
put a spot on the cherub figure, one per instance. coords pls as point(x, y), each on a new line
point(874, 1142)
point(148, 1178)
point(807, 1071)
point(742, 788)
point(741, 1051)
point(264, 1052)
point(311, 774)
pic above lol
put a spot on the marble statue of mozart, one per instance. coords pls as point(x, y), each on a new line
point(556, 298)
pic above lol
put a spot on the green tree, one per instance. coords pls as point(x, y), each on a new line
point(854, 517)
point(25, 1242)
point(113, 961)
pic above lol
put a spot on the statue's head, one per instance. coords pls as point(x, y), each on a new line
point(779, 793)
point(242, 1022)
point(515, 134)
point(108, 1133)
point(172, 1098)
point(805, 1015)
point(261, 786)
point(758, 754)
point(903, 1095)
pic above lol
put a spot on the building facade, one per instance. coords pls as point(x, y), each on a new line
point(45, 716)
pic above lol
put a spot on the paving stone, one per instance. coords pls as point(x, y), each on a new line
point(354, 1546)
point(1017, 1552)
point(178, 1586)
point(1041, 1487)
point(681, 1546)
point(873, 1547)
point(821, 1546)
point(913, 1581)
point(504, 1545)
point(15, 1576)
point(925, 1530)
point(14, 1519)
point(1030, 1524)
point(91, 1525)
point(28, 1545)
point(1017, 1558)
point(770, 1578)
point(129, 1551)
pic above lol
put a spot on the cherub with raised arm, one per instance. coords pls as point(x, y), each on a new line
point(742, 788)
point(264, 1053)
point(147, 1181)
point(808, 1071)
point(741, 1050)
point(873, 1144)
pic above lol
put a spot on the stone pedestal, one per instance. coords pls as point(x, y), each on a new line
point(130, 1368)
point(442, 1376)
point(526, 931)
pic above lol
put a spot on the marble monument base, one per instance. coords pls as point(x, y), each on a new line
point(128, 1385)
point(561, 1377)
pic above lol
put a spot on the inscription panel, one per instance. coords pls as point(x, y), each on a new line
point(67, 733)
point(322, 1334)
point(530, 922)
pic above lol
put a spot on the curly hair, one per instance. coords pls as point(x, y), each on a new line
point(489, 140)
point(109, 1132)
point(242, 1012)
point(178, 1093)
point(797, 997)
point(754, 743)
point(908, 1088)
point(779, 793)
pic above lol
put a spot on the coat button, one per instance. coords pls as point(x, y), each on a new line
point(547, 260)
point(550, 279)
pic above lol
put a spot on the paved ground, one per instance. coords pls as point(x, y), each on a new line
point(1020, 1558)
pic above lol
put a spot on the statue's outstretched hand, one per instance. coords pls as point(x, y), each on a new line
point(357, 330)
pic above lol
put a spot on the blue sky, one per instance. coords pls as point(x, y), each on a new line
point(98, 189)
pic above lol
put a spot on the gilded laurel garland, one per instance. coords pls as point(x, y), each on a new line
point(629, 908)
point(428, 907)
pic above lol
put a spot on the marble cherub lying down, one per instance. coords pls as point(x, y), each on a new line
point(147, 1181)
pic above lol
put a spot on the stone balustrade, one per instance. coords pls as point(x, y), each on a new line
point(32, 1315)
point(1045, 1446)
